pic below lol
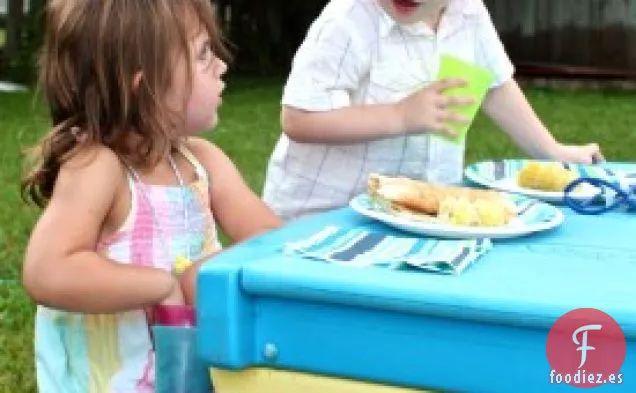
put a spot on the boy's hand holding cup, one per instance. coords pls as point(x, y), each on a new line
point(449, 105)
point(478, 80)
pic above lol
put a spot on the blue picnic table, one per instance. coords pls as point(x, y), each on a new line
point(270, 320)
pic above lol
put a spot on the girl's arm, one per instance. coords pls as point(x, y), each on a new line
point(62, 268)
point(238, 210)
point(508, 108)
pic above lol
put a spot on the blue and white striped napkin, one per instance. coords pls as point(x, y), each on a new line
point(359, 247)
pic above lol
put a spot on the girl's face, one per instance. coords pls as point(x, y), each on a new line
point(411, 11)
point(204, 100)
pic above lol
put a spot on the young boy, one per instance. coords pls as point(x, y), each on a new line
point(353, 103)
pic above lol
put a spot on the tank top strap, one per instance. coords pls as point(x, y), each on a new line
point(131, 178)
point(202, 174)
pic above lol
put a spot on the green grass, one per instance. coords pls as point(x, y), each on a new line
point(248, 131)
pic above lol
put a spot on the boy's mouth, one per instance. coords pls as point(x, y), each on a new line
point(406, 5)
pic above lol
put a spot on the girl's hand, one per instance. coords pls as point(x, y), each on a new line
point(580, 154)
point(175, 296)
point(188, 279)
point(429, 110)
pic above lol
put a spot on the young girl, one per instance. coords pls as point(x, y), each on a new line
point(127, 188)
point(354, 102)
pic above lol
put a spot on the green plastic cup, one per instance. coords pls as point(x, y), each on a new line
point(479, 81)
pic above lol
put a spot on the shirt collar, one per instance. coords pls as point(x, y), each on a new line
point(386, 22)
point(455, 10)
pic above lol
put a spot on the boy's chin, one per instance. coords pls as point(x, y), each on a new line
point(404, 14)
point(406, 20)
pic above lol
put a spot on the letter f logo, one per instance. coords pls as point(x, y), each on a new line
point(584, 347)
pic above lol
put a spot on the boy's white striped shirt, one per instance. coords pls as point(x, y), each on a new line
point(355, 54)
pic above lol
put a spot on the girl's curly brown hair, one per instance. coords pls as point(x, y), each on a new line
point(92, 54)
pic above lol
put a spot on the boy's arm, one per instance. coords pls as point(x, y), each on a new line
point(426, 110)
point(61, 267)
point(507, 106)
point(345, 125)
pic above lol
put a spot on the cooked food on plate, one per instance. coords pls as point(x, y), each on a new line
point(545, 176)
point(441, 203)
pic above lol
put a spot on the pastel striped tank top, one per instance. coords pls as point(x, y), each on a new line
point(104, 353)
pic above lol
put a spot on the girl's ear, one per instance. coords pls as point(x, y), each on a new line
point(136, 81)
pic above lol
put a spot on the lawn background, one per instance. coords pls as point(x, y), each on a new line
point(248, 130)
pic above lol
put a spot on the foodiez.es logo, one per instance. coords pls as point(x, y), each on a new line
point(586, 348)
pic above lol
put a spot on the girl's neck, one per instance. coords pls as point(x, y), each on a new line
point(156, 157)
point(170, 170)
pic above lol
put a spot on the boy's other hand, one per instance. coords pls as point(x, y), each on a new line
point(580, 154)
point(429, 110)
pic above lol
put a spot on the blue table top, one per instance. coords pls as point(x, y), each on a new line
point(588, 261)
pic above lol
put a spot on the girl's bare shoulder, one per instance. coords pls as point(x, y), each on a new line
point(93, 158)
point(92, 168)
point(206, 152)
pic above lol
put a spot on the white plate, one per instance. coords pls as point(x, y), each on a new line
point(502, 176)
point(534, 216)
point(509, 184)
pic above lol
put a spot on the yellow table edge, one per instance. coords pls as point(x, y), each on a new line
point(265, 380)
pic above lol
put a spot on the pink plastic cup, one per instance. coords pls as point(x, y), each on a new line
point(174, 316)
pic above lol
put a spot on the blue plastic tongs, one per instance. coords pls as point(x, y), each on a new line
point(611, 195)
